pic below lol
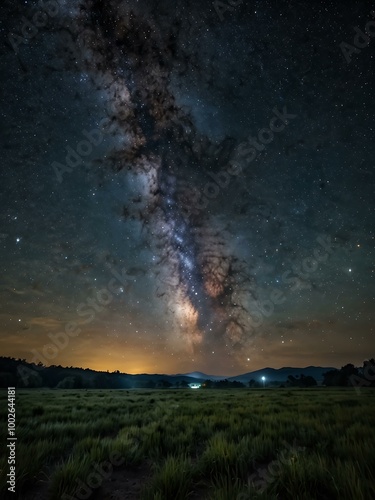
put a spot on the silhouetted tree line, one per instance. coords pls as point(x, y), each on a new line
point(19, 373)
point(222, 384)
point(349, 375)
point(301, 381)
point(256, 384)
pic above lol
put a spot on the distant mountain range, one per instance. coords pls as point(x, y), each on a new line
point(20, 373)
point(281, 374)
point(201, 376)
point(271, 374)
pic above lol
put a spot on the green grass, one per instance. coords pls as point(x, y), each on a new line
point(209, 444)
point(172, 479)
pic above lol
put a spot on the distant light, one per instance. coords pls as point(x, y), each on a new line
point(263, 378)
point(350, 270)
point(194, 386)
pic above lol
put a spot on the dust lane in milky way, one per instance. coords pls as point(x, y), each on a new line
point(200, 279)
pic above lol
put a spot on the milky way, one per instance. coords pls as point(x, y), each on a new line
point(201, 281)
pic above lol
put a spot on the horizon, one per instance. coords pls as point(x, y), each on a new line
point(185, 373)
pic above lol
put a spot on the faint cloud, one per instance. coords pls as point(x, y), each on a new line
point(45, 322)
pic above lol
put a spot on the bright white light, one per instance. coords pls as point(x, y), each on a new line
point(194, 386)
point(263, 378)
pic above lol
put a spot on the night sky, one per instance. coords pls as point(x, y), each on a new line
point(186, 186)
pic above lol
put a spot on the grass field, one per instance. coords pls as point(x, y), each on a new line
point(205, 444)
